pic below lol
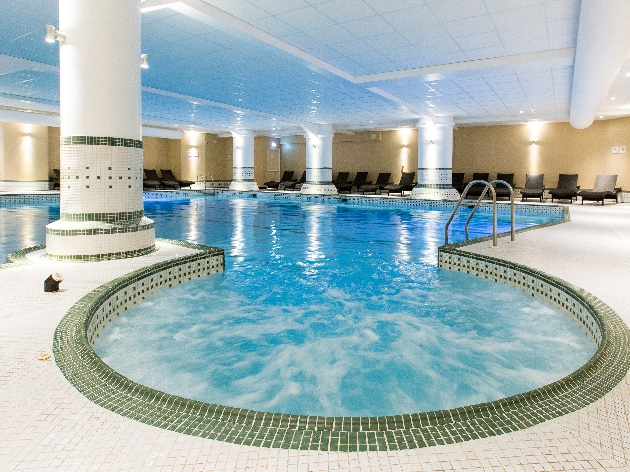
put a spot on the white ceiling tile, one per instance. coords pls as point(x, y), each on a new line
point(381, 6)
point(501, 5)
point(522, 34)
point(274, 26)
point(306, 19)
point(387, 41)
point(411, 18)
point(275, 7)
point(449, 10)
point(366, 27)
point(331, 35)
point(470, 26)
point(520, 17)
point(477, 41)
point(240, 8)
point(346, 10)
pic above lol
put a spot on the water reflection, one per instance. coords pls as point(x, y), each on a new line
point(317, 223)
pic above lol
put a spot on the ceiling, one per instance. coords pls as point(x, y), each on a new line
point(270, 65)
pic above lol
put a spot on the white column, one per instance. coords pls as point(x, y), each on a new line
point(243, 161)
point(102, 215)
point(319, 160)
point(435, 161)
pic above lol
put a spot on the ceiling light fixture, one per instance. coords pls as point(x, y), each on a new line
point(612, 98)
point(144, 61)
point(53, 35)
point(521, 111)
point(627, 74)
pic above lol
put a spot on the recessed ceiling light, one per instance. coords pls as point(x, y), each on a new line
point(521, 111)
point(627, 74)
point(612, 98)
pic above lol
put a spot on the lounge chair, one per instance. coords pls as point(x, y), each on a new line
point(502, 191)
point(567, 188)
point(381, 182)
point(457, 181)
point(168, 175)
point(476, 190)
point(152, 177)
point(604, 188)
point(534, 187)
point(287, 176)
point(405, 184)
point(56, 180)
point(293, 184)
point(359, 180)
point(342, 178)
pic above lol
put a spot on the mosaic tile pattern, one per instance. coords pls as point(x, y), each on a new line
point(100, 141)
point(84, 369)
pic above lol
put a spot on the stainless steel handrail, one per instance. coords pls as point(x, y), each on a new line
point(487, 186)
point(512, 217)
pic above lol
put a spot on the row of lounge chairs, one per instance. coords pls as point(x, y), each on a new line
point(567, 188)
point(152, 181)
point(360, 183)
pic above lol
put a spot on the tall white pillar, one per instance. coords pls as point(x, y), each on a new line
point(243, 161)
point(435, 161)
point(319, 160)
point(102, 215)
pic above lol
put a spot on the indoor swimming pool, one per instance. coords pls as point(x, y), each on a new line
point(336, 309)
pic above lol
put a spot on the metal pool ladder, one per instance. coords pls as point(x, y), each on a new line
point(494, 208)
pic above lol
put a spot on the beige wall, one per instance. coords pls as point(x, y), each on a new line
point(54, 135)
point(369, 151)
point(559, 149)
point(218, 158)
point(157, 153)
point(23, 157)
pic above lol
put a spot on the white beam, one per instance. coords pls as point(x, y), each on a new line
point(603, 42)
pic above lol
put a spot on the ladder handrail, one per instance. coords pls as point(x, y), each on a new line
point(512, 218)
point(494, 209)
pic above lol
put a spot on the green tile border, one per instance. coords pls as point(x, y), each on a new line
point(100, 141)
point(104, 386)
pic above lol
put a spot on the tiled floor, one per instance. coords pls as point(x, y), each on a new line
point(45, 424)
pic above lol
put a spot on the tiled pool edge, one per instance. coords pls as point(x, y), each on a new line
point(105, 387)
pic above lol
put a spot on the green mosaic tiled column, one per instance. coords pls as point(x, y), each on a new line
point(102, 213)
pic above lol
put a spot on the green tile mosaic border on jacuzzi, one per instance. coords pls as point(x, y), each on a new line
point(102, 385)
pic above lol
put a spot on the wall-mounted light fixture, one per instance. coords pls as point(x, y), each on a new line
point(273, 144)
point(431, 141)
point(533, 142)
point(28, 135)
point(404, 145)
point(314, 146)
point(53, 35)
point(144, 61)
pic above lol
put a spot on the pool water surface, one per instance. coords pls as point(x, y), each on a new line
point(337, 310)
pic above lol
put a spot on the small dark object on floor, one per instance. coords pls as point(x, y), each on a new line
point(51, 284)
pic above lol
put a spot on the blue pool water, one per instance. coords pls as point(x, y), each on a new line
point(339, 310)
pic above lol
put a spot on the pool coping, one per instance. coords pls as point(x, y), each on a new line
point(104, 386)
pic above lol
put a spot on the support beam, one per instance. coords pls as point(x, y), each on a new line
point(603, 43)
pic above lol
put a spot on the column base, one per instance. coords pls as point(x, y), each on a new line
point(319, 189)
point(244, 185)
point(423, 193)
point(98, 241)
